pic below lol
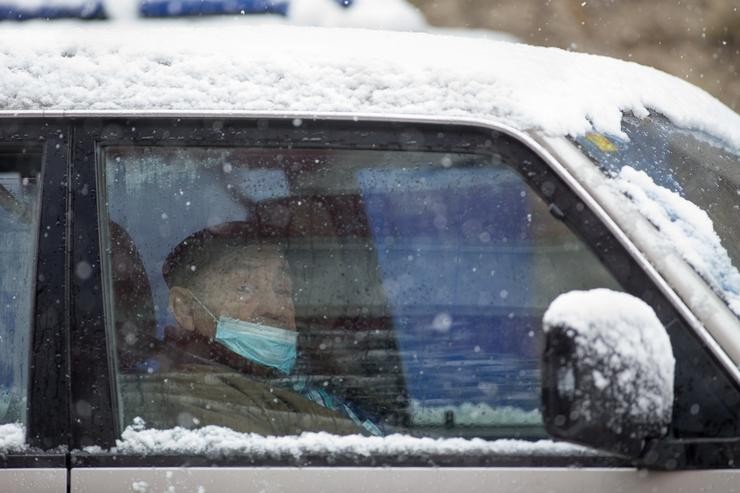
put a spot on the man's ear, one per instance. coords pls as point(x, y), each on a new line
point(181, 306)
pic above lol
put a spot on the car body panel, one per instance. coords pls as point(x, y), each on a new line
point(382, 480)
point(33, 480)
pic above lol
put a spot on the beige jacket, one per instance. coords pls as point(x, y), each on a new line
point(199, 395)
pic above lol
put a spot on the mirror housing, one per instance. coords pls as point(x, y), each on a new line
point(607, 371)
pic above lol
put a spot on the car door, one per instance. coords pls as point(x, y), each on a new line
point(417, 259)
point(33, 402)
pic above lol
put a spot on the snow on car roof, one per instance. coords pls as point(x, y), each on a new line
point(227, 66)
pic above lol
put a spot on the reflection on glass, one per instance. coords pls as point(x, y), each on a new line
point(19, 197)
point(281, 291)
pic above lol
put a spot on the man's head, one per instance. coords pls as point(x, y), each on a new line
point(229, 271)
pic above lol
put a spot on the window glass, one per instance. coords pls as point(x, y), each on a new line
point(704, 178)
point(19, 198)
point(279, 291)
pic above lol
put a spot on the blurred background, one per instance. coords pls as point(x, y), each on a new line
point(698, 40)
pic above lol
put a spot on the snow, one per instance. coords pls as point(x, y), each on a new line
point(126, 10)
point(215, 441)
point(12, 438)
point(625, 331)
point(224, 66)
point(472, 414)
point(372, 14)
point(686, 228)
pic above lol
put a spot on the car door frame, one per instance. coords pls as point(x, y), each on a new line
point(43, 464)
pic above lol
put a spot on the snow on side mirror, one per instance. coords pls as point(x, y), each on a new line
point(607, 371)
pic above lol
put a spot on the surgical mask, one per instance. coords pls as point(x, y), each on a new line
point(263, 344)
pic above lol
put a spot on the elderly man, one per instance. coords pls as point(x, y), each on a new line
point(231, 296)
point(231, 292)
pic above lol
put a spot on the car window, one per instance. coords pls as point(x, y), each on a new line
point(19, 200)
point(693, 195)
point(278, 291)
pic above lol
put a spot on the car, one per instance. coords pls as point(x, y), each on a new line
point(299, 259)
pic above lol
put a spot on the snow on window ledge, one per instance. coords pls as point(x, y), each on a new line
point(216, 441)
point(12, 438)
point(474, 414)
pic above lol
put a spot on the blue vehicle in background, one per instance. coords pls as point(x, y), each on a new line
point(96, 9)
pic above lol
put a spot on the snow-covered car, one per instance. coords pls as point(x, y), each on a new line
point(292, 259)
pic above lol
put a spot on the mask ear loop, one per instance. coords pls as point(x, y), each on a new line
point(209, 312)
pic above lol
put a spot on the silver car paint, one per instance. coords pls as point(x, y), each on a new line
point(39, 480)
point(408, 480)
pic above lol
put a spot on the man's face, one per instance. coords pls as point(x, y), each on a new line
point(247, 283)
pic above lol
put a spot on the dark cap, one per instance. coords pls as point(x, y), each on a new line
point(205, 246)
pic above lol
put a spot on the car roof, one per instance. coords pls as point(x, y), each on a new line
point(229, 67)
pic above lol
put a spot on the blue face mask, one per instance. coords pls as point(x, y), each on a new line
point(263, 344)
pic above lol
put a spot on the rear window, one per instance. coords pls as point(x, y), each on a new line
point(20, 167)
point(279, 291)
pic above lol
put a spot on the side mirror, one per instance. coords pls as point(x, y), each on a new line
point(607, 371)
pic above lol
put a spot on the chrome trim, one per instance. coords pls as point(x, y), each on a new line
point(532, 139)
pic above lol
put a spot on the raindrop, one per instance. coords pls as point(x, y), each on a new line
point(83, 270)
point(83, 408)
point(442, 322)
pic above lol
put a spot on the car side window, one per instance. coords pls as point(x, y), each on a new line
point(279, 291)
point(20, 168)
